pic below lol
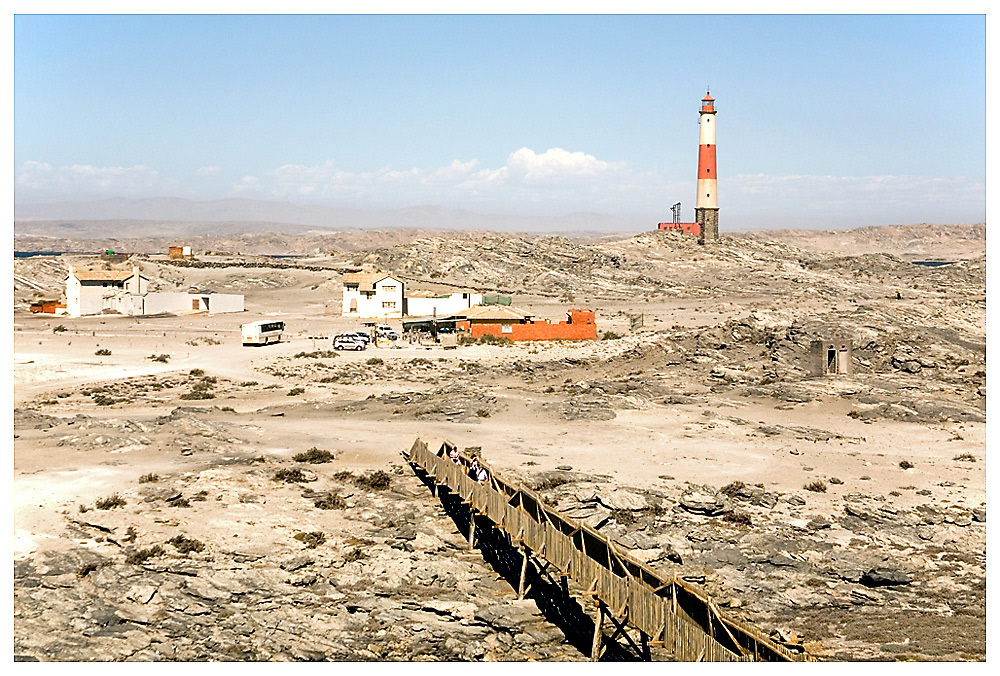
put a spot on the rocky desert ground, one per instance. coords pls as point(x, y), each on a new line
point(181, 497)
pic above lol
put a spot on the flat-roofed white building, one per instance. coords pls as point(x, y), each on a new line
point(117, 289)
point(372, 295)
point(434, 303)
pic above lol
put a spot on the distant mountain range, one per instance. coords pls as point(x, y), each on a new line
point(173, 216)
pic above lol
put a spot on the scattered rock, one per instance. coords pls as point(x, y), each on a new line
point(884, 577)
point(702, 500)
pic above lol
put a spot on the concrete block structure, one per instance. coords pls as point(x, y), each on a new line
point(831, 357)
point(173, 302)
point(372, 295)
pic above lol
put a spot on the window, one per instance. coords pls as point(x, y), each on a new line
point(389, 288)
point(506, 328)
point(389, 304)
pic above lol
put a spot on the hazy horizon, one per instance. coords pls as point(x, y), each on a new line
point(824, 120)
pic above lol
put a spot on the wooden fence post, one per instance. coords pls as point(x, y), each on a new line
point(524, 570)
point(595, 649)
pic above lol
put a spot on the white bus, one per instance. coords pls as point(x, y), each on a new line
point(262, 332)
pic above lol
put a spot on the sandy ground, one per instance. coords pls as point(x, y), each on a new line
point(635, 448)
point(657, 445)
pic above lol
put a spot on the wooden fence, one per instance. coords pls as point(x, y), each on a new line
point(665, 610)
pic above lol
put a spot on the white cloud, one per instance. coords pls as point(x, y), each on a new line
point(526, 175)
point(40, 175)
point(483, 179)
point(455, 171)
point(557, 164)
point(40, 180)
point(208, 171)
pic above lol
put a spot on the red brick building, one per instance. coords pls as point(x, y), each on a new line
point(515, 324)
point(50, 307)
point(688, 228)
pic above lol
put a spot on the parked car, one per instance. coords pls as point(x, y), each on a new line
point(348, 343)
point(386, 331)
point(360, 335)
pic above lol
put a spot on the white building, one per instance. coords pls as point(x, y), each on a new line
point(372, 295)
point(91, 290)
point(122, 290)
point(432, 303)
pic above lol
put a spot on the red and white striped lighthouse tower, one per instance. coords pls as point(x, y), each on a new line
point(706, 209)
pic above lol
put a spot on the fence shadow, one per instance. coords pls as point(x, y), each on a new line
point(552, 599)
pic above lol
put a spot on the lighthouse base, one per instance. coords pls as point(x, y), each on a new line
point(708, 219)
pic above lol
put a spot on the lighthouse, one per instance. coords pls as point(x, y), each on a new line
point(706, 209)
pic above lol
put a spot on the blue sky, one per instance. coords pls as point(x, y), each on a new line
point(824, 120)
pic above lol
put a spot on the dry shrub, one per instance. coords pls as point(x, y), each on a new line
point(816, 487)
point(139, 557)
point(331, 501)
point(552, 482)
point(318, 354)
point(314, 455)
point(731, 490)
point(290, 476)
point(355, 555)
point(311, 540)
point(110, 502)
point(186, 545)
point(377, 480)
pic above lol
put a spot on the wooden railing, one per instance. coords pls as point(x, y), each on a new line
point(666, 611)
